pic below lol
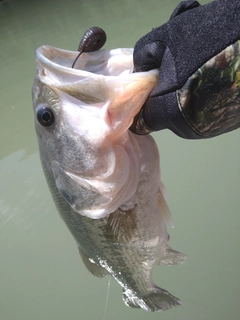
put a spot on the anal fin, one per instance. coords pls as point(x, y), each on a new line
point(172, 257)
point(92, 267)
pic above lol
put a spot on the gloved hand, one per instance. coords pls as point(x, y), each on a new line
point(198, 54)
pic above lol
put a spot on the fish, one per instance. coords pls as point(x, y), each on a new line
point(104, 179)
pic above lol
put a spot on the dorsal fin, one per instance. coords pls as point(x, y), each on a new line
point(92, 267)
point(165, 211)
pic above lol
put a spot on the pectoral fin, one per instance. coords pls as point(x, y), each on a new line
point(172, 257)
point(122, 224)
point(92, 267)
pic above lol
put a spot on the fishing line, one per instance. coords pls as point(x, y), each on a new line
point(106, 303)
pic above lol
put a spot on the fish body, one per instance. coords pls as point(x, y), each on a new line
point(105, 180)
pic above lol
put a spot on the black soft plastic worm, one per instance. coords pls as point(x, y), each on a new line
point(92, 40)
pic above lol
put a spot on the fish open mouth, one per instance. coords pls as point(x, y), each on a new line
point(103, 78)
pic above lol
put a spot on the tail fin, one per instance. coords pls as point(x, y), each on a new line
point(157, 300)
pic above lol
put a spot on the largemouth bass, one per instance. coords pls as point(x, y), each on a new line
point(105, 180)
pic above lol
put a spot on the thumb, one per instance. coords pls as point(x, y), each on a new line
point(148, 54)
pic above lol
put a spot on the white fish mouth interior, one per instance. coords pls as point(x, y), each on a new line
point(105, 62)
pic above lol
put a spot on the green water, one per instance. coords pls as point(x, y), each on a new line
point(41, 274)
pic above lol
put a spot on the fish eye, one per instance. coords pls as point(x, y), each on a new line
point(45, 116)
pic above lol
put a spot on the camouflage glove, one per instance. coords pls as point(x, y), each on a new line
point(198, 53)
